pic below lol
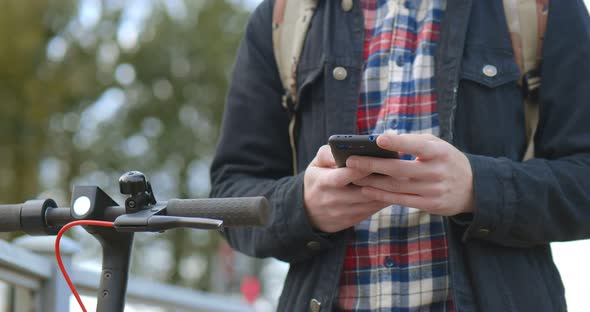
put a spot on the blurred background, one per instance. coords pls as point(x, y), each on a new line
point(90, 89)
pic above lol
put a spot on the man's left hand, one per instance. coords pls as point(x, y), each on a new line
point(439, 180)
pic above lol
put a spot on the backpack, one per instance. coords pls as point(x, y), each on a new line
point(526, 19)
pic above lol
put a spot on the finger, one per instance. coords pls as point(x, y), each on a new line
point(401, 169)
point(340, 177)
point(406, 200)
point(408, 186)
point(361, 212)
point(324, 158)
point(420, 145)
point(369, 208)
point(343, 196)
point(345, 216)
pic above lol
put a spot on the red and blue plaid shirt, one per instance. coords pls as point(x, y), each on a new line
point(397, 260)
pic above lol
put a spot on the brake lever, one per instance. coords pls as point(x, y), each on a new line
point(151, 220)
point(162, 223)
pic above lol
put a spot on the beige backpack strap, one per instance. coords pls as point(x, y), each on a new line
point(290, 23)
point(527, 21)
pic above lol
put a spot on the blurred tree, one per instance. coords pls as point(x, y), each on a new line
point(26, 98)
point(90, 89)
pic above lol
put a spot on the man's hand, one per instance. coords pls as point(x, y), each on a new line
point(439, 180)
point(331, 201)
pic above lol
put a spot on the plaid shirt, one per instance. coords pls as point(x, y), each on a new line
point(397, 260)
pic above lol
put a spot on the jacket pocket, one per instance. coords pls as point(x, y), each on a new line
point(489, 67)
point(308, 74)
point(489, 104)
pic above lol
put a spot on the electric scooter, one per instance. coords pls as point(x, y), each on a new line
point(113, 225)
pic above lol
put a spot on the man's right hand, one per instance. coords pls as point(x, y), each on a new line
point(332, 202)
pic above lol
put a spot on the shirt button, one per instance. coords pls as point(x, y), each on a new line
point(346, 5)
point(393, 124)
point(490, 70)
point(315, 305)
point(313, 245)
point(399, 61)
point(388, 262)
point(339, 73)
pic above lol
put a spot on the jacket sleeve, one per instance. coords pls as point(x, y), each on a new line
point(253, 157)
point(547, 198)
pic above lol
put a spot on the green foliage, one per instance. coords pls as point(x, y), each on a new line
point(88, 92)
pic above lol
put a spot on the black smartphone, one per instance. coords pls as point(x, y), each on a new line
point(345, 145)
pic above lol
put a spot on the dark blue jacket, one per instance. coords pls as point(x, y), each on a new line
point(500, 259)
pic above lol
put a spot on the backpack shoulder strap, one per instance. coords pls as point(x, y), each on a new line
point(291, 19)
point(527, 21)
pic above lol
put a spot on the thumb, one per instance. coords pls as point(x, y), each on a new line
point(324, 158)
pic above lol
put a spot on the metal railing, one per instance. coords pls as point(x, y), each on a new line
point(28, 267)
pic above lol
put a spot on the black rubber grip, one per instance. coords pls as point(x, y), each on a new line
point(239, 211)
point(58, 216)
point(10, 218)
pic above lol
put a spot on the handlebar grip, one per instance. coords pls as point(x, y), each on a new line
point(239, 211)
point(10, 218)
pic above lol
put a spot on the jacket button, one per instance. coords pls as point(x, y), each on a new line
point(339, 73)
point(313, 245)
point(315, 305)
point(346, 5)
point(490, 71)
point(483, 231)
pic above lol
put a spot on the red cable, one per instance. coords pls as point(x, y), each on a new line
point(58, 256)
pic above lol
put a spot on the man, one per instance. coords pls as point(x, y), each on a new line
point(477, 235)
